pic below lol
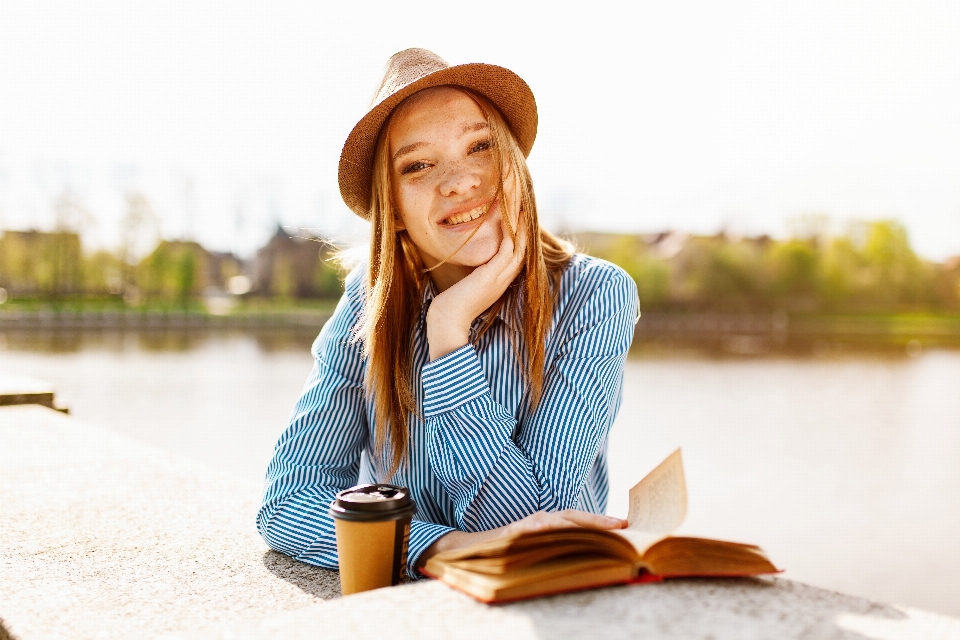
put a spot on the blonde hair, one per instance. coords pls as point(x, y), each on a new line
point(396, 278)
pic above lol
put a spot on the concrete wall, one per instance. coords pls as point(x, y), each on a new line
point(103, 537)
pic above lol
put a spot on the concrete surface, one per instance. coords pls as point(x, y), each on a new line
point(103, 537)
point(774, 609)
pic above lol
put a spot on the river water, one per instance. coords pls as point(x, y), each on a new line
point(844, 465)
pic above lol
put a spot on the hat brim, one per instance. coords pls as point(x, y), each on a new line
point(502, 87)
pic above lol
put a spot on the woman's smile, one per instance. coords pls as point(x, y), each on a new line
point(460, 218)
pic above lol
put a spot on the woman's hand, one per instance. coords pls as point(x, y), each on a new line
point(544, 520)
point(452, 312)
point(539, 521)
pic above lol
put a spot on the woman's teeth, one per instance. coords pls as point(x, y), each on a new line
point(466, 216)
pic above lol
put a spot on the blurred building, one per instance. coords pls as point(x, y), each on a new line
point(295, 267)
point(41, 263)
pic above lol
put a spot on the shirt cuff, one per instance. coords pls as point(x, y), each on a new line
point(453, 380)
point(422, 535)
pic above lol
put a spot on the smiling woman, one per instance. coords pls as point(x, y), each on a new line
point(475, 358)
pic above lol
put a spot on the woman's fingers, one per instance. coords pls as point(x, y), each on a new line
point(505, 264)
point(592, 520)
point(507, 243)
point(543, 520)
point(512, 248)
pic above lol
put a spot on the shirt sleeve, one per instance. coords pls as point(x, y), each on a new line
point(498, 471)
point(319, 453)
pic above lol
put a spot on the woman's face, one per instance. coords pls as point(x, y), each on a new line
point(444, 176)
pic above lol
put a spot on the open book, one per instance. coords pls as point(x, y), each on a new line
point(546, 562)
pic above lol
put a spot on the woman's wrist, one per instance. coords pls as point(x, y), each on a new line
point(446, 332)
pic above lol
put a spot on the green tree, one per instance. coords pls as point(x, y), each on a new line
point(174, 271)
point(795, 267)
point(839, 281)
point(651, 275)
point(327, 280)
point(102, 273)
point(732, 275)
point(895, 269)
point(186, 277)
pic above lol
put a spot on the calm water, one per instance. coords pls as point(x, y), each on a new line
point(845, 466)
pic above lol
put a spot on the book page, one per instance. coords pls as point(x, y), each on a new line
point(641, 540)
point(658, 503)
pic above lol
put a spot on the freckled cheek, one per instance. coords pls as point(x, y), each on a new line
point(488, 173)
point(414, 206)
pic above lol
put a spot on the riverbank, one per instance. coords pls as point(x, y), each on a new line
point(817, 335)
point(161, 318)
point(733, 333)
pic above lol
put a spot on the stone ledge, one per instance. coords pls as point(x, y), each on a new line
point(104, 537)
point(673, 610)
point(16, 389)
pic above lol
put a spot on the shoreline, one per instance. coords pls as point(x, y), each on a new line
point(650, 324)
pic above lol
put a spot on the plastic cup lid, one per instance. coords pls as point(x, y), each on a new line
point(373, 498)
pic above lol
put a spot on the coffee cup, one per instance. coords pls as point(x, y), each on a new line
point(373, 529)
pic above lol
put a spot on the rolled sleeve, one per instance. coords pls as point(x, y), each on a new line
point(422, 535)
point(453, 380)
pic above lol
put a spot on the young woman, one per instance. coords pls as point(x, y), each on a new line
point(475, 358)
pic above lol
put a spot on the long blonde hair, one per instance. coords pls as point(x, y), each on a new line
point(396, 279)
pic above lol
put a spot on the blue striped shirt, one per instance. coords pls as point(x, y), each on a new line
point(478, 457)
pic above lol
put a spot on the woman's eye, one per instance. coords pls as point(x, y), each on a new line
point(413, 167)
point(483, 145)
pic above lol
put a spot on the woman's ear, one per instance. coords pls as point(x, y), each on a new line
point(398, 224)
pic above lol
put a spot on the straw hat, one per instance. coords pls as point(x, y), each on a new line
point(408, 72)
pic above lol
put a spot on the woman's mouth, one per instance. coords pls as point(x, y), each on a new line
point(466, 216)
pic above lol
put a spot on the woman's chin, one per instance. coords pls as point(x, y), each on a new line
point(473, 258)
point(478, 251)
point(482, 246)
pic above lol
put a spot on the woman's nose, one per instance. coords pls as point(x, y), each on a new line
point(459, 180)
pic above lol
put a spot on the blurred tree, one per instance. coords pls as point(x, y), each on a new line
point(101, 274)
point(841, 264)
point(186, 277)
point(652, 276)
point(795, 267)
point(872, 267)
point(731, 276)
point(175, 271)
point(946, 285)
point(895, 271)
point(139, 230)
point(327, 280)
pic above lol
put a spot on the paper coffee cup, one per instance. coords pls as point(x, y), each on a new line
point(373, 530)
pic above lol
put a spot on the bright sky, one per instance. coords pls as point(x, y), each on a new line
point(230, 115)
